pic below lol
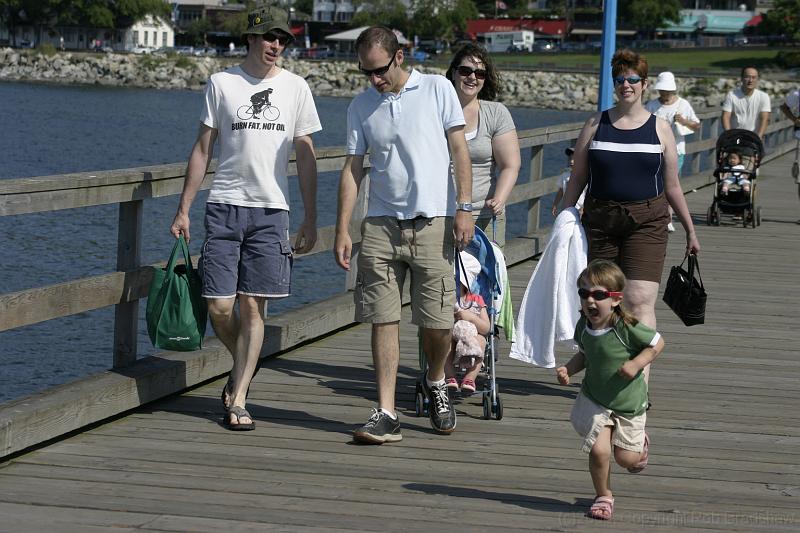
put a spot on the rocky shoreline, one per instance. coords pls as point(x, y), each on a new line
point(551, 90)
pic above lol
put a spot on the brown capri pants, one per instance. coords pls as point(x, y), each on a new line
point(632, 234)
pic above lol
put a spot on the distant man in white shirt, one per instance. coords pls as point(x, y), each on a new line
point(747, 107)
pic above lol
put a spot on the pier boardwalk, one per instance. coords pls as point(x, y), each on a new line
point(725, 429)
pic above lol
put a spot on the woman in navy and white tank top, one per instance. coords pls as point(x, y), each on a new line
point(627, 159)
point(625, 165)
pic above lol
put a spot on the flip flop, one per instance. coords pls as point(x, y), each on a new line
point(227, 390)
point(602, 508)
point(638, 467)
point(239, 413)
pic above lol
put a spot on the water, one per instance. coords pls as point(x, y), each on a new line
point(56, 130)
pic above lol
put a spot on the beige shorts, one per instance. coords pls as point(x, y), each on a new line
point(483, 220)
point(392, 248)
point(589, 418)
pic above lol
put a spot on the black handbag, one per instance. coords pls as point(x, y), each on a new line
point(685, 294)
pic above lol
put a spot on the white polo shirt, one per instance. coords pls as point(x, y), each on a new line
point(406, 137)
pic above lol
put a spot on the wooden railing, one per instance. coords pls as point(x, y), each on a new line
point(131, 382)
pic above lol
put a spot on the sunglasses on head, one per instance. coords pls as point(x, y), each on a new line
point(466, 72)
point(380, 71)
point(632, 80)
point(271, 36)
point(599, 294)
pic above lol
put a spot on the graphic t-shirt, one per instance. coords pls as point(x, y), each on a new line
point(605, 351)
point(257, 121)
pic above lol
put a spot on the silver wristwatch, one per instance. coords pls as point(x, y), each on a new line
point(464, 206)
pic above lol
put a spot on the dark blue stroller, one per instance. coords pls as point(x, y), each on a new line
point(487, 284)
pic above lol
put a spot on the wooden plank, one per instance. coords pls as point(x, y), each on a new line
point(725, 453)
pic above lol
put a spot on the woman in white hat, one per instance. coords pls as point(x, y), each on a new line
point(677, 112)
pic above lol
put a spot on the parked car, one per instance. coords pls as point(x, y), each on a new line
point(141, 50)
point(240, 51)
point(184, 50)
point(543, 46)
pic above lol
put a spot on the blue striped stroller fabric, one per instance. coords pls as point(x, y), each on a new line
point(487, 282)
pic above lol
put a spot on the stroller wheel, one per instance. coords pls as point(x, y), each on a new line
point(796, 171)
point(747, 216)
point(758, 216)
point(709, 216)
point(498, 409)
point(487, 407)
point(420, 408)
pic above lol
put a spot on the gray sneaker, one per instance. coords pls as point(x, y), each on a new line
point(379, 428)
point(443, 415)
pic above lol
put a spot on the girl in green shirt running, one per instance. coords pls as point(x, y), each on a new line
point(610, 410)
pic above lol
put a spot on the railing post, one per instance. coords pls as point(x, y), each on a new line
point(129, 257)
point(534, 204)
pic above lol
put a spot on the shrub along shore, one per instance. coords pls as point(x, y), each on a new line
point(551, 90)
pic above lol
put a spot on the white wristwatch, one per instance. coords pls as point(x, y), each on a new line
point(464, 206)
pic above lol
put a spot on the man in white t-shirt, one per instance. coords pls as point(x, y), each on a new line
point(411, 124)
point(258, 112)
point(747, 107)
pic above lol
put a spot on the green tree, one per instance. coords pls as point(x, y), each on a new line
point(197, 31)
point(237, 23)
point(441, 19)
point(647, 15)
point(305, 7)
point(782, 19)
point(387, 12)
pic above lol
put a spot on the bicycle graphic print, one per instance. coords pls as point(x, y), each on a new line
point(259, 108)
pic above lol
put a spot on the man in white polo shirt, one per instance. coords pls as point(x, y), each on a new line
point(747, 107)
point(411, 124)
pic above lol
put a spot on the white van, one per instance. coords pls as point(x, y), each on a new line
point(507, 41)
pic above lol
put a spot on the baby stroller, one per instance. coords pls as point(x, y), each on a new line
point(736, 202)
point(487, 284)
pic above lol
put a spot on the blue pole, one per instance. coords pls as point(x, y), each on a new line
point(605, 97)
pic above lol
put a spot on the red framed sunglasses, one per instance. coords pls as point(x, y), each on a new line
point(598, 294)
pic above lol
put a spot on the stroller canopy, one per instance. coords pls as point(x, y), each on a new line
point(746, 142)
point(487, 282)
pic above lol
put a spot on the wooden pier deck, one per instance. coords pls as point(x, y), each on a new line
point(725, 429)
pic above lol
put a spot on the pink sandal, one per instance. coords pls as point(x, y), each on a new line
point(468, 385)
point(638, 467)
point(451, 383)
point(602, 508)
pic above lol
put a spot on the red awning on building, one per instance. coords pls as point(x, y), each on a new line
point(545, 27)
point(755, 21)
point(298, 30)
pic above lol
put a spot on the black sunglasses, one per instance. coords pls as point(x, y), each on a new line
point(632, 80)
point(598, 294)
point(466, 72)
point(380, 71)
point(281, 37)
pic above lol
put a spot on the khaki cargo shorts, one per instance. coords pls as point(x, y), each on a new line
point(589, 418)
point(391, 249)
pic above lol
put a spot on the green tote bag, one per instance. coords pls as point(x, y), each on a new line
point(176, 312)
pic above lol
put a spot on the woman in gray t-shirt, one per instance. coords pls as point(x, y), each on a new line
point(491, 136)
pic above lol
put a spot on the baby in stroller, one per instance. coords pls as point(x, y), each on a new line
point(735, 176)
point(471, 326)
point(738, 157)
